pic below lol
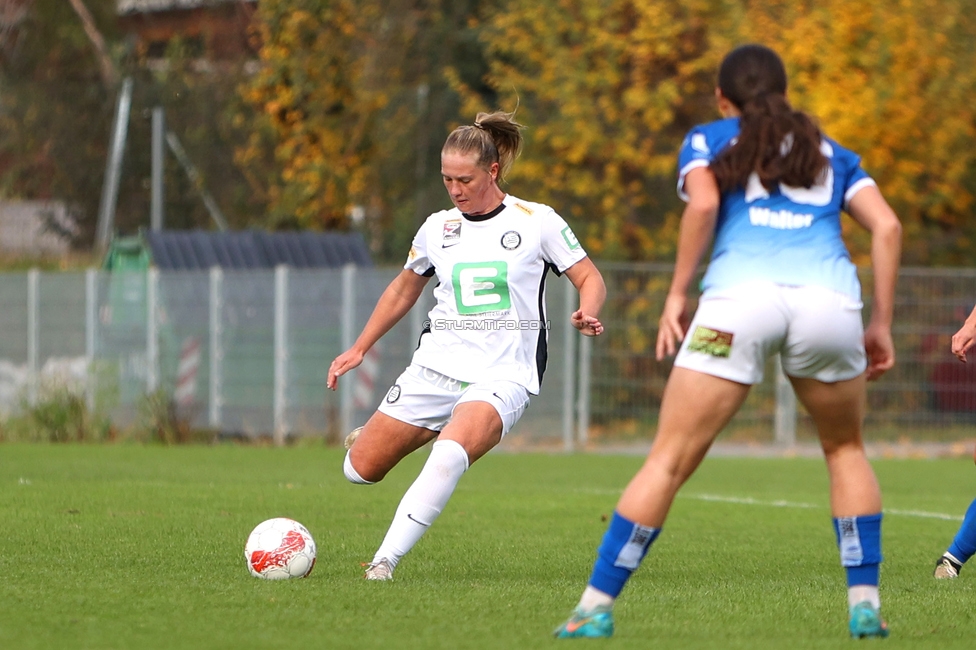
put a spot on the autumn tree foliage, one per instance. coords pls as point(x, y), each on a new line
point(611, 85)
point(607, 88)
point(352, 99)
point(354, 106)
point(894, 81)
point(320, 87)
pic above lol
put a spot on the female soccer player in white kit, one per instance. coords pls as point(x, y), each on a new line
point(770, 188)
point(483, 351)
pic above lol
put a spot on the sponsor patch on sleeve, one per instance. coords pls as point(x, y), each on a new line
point(570, 238)
point(711, 342)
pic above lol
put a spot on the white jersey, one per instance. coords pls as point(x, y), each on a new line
point(489, 321)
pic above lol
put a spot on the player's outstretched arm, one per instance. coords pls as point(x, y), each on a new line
point(694, 236)
point(593, 293)
point(965, 338)
point(396, 301)
point(871, 210)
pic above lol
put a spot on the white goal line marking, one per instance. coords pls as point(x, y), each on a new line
point(794, 504)
point(749, 501)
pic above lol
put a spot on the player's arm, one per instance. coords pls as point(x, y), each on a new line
point(398, 298)
point(593, 293)
point(694, 237)
point(871, 210)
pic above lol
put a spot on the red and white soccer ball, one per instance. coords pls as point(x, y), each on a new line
point(278, 549)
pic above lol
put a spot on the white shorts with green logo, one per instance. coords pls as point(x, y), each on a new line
point(817, 332)
point(426, 398)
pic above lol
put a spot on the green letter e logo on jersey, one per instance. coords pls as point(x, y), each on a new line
point(481, 287)
point(570, 238)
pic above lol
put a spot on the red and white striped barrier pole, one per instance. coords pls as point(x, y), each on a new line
point(366, 374)
point(186, 373)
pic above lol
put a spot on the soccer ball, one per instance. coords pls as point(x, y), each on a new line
point(278, 549)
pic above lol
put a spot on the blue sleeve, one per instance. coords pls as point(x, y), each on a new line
point(696, 151)
point(847, 166)
point(702, 144)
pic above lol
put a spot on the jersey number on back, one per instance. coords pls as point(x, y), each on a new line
point(819, 194)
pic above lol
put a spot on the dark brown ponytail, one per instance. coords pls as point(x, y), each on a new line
point(779, 144)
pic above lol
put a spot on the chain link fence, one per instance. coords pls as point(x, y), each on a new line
point(245, 353)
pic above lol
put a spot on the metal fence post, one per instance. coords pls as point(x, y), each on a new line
point(583, 403)
point(157, 156)
point(569, 361)
point(281, 355)
point(91, 336)
point(33, 286)
point(152, 330)
point(784, 423)
point(216, 346)
point(347, 323)
point(113, 167)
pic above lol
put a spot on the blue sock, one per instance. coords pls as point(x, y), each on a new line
point(624, 546)
point(964, 545)
point(859, 540)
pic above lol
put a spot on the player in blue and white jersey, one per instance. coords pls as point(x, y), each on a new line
point(483, 352)
point(784, 235)
point(768, 188)
point(963, 546)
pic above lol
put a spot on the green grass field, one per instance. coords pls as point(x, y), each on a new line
point(120, 546)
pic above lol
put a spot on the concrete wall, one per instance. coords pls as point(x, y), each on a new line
point(24, 229)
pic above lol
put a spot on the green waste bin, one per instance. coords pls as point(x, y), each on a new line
point(123, 318)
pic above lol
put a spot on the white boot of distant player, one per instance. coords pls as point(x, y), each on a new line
point(420, 506)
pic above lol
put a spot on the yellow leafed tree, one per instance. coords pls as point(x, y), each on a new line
point(325, 76)
point(610, 86)
point(895, 82)
point(607, 88)
point(354, 105)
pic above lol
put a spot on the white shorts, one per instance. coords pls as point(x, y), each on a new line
point(425, 398)
point(817, 332)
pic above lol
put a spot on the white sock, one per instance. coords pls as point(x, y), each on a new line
point(860, 593)
point(424, 500)
point(593, 598)
point(351, 474)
